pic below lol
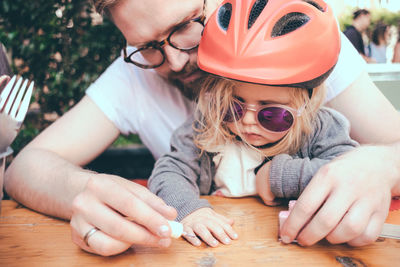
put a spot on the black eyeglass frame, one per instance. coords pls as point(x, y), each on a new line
point(158, 45)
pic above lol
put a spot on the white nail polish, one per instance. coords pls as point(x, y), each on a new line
point(176, 229)
point(285, 239)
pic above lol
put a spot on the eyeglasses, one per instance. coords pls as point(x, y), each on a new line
point(184, 37)
point(271, 117)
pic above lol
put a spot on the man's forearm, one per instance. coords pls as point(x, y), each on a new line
point(45, 182)
point(394, 153)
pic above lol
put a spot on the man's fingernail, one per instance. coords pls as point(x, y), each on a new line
point(163, 231)
point(164, 242)
point(285, 239)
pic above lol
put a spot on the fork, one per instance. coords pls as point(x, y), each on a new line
point(14, 103)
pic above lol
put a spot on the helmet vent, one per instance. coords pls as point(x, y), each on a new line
point(224, 15)
point(289, 23)
point(315, 4)
point(255, 12)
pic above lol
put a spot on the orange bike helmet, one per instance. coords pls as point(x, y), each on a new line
point(274, 42)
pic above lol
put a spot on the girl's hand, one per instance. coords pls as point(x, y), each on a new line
point(210, 226)
point(263, 186)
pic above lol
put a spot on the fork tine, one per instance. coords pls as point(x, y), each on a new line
point(25, 104)
point(17, 101)
point(6, 92)
point(11, 98)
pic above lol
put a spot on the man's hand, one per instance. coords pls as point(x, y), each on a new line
point(347, 201)
point(209, 226)
point(125, 214)
point(263, 187)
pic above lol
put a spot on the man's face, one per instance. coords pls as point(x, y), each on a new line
point(142, 21)
point(366, 21)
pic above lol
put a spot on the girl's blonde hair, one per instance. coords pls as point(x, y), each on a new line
point(215, 101)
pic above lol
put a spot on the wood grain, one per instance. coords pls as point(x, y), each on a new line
point(28, 238)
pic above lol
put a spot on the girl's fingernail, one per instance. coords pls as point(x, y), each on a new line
point(227, 240)
point(235, 236)
point(214, 243)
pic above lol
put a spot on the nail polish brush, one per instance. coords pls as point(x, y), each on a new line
point(177, 230)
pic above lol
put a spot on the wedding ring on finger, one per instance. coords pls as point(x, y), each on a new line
point(89, 234)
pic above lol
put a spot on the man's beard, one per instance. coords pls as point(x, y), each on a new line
point(189, 89)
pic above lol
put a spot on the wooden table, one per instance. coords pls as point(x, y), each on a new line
point(31, 239)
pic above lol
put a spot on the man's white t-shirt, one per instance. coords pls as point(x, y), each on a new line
point(141, 102)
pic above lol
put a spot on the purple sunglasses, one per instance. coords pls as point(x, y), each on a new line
point(271, 117)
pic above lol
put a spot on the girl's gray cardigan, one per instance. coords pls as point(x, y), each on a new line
point(180, 176)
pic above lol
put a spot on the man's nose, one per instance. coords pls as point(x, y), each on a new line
point(175, 58)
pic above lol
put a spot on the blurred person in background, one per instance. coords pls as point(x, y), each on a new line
point(361, 21)
point(380, 39)
point(396, 54)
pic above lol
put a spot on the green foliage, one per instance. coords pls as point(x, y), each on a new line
point(126, 140)
point(346, 19)
point(25, 136)
point(385, 16)
point(58, 45)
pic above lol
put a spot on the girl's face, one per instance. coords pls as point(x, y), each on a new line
point(387, 35)
point(256, 94)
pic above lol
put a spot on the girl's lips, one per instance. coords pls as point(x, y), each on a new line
point(252, 136)
point(255, 139)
